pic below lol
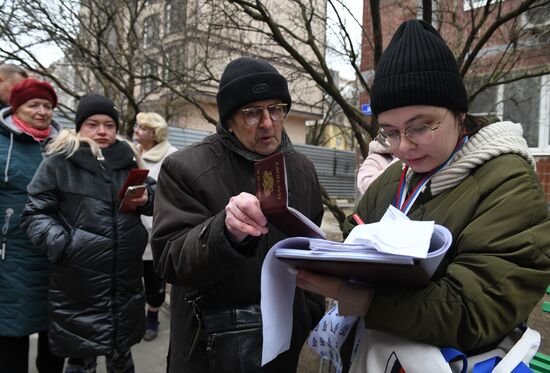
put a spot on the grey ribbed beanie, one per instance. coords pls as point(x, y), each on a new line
point(417, 68)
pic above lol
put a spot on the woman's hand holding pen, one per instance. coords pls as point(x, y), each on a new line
point(357, 219)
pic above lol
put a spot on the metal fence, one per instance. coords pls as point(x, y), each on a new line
point(335, 168)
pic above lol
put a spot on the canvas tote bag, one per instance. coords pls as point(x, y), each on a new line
point(380, 352)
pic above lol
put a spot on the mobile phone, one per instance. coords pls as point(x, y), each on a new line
point(133, 191)
point(135, 177)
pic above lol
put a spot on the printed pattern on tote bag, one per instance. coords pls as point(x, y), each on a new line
point(393, 365)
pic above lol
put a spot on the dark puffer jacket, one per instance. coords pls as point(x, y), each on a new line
point(96, 302)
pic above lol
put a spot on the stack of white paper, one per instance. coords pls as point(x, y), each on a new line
point(394, 240)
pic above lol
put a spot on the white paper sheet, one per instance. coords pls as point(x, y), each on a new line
point(278, 286)
point(398, 237)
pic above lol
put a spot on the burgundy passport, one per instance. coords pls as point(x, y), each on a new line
point(272, 192)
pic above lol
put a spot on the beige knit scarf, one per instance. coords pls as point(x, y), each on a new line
point(491, 141)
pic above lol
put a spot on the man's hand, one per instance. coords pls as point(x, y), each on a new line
point(244, 217)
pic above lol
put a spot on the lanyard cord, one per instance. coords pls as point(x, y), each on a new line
point(405, 204)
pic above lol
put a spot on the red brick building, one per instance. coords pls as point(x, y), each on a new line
point(525, 100)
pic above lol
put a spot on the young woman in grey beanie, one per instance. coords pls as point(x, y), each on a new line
point(475, 178)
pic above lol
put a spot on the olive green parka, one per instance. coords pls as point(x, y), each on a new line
point(498, 266)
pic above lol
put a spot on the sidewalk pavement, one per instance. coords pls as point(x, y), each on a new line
point(149, 357)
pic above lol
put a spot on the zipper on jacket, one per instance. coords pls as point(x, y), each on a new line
point(108, 176)
point(5, 227)
point(212, 337)
point(101, 159)
point(8, 159)
point(194, 299)
point(114, 283)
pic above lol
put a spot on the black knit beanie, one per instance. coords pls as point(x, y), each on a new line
point(246, 80)
point(417, 68)
point(93, 104)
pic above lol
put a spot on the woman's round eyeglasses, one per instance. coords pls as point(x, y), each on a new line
point(419, 134)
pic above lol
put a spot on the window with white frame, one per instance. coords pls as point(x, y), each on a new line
point(420, 11)
point(168, 17)
point(149, 83)
point(150, 31)
point(525, 101)
point(537, 22)
point(174, 60)
point(174, 16)
point(537, 17)
point(474, 4)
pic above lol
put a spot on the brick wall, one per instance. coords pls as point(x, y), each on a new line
point(393, 13)
point(543, 172)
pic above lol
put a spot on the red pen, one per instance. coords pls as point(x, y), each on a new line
point(357, 219)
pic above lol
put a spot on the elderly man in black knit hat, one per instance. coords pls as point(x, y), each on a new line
point(210, 236)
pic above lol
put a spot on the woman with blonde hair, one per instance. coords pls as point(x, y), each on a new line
point(150, 134)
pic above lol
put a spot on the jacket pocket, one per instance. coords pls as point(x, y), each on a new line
point(233, 339)
point(238, 350)
point(59, 246)
point(5, 229)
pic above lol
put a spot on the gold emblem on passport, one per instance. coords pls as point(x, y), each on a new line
point(268, 183)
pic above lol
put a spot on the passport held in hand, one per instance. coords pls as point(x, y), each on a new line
point(272, 192)
point(133, 191)
point(133, 187)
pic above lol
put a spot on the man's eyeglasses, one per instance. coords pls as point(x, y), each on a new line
point(419, 134)
point(253, 115)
